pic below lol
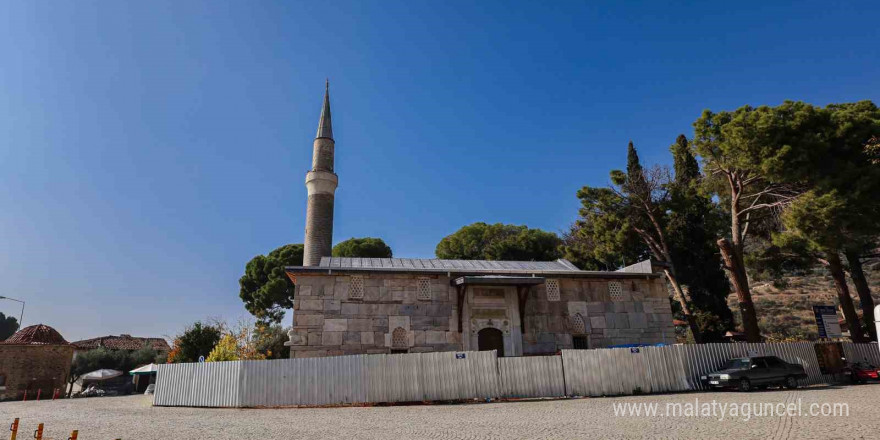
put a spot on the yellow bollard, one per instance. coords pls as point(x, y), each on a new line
point(38, 434)
point(14, 428)
point(73, 435)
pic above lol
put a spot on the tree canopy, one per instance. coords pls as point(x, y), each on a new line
point(366, 247)
point(8, 326)
point(482, 241)
point(602, 238)
point(265, 288)
point(197, 340)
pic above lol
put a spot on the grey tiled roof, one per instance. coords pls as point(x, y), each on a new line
point(418, 264)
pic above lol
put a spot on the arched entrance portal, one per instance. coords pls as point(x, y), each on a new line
point(491, 339)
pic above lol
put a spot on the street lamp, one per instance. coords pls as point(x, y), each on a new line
point(20, 317)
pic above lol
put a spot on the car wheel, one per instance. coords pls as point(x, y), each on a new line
point(791, 382)
point(744, 385)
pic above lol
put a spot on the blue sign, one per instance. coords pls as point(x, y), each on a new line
point(634, 350)
point(460, 355)
point(826, 321)
point(201, 359)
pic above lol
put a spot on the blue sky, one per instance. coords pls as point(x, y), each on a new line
point(148, 150)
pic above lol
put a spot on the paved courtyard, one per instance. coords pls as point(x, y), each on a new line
point(134, 418)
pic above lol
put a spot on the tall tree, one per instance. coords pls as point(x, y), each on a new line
point(753, 157)
point(645, 196)
point(8, 326)
point(854, 130)
point(694, 223)
point(481, 241)
point(367, 247)
point(265, 288)
point(815, 220)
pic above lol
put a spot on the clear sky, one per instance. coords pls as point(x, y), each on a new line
point(149, 149)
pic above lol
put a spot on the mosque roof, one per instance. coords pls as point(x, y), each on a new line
point(427, 265)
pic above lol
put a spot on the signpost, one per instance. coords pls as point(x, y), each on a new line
point(201, 359)
point(826, 321)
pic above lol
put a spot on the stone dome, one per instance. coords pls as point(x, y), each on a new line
point(36, 335)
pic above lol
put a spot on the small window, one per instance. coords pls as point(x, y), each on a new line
point(424, 289)
point(356, 288)
point(552, 290)
point(2, 380)
point(396, 351)
point(615, 291)
point(580, 343)
point(399, 339)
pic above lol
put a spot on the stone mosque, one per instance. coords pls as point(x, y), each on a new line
point(346, 306)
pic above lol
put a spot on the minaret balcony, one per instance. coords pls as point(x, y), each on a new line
point(321, 182)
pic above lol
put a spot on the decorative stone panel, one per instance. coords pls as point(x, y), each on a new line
point(356, 287)
point(399, 339)
point(577, 326)
point(615, 290)
point(500, 324)
point(424, 289)
point(552, 287)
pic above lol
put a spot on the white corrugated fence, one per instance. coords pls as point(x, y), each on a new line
point(467, 375)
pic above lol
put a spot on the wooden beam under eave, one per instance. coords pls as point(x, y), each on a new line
point(460, 290)
point(522, 293)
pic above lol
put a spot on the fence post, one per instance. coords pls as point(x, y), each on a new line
point(39, 391)
point(38, 434)
point(25, 396)
point(14, 428)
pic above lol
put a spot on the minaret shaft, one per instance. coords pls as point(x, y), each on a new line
point(321, 183)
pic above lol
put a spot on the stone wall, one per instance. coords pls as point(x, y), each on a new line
point(334, 318)
point(32, 367)
point(328, 321)
point(639, 314)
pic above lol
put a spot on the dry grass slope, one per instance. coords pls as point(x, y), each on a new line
point(785, 309)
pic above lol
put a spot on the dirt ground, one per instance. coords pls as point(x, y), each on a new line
point(133, 417)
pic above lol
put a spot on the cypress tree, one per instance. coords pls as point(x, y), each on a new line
point(694, 223)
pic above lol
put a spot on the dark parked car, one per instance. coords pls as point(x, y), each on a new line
point(748, 373)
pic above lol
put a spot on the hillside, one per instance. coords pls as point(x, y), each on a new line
point(785, 308)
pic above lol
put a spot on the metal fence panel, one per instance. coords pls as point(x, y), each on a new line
point(616, 371)
point(862, 352)
point(534, 376)
point(467, 375)
point(214, 384)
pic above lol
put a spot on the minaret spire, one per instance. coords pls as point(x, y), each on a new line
point(325, 127)
point(321, 183)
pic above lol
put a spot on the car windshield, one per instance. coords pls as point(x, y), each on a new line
point(736, 364)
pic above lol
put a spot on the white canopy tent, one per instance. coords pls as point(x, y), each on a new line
point(146, 369)
point(102, 374)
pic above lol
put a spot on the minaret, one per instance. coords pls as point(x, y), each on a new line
point(321, 183)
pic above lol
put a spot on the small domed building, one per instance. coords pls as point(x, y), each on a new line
point(35, 360)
